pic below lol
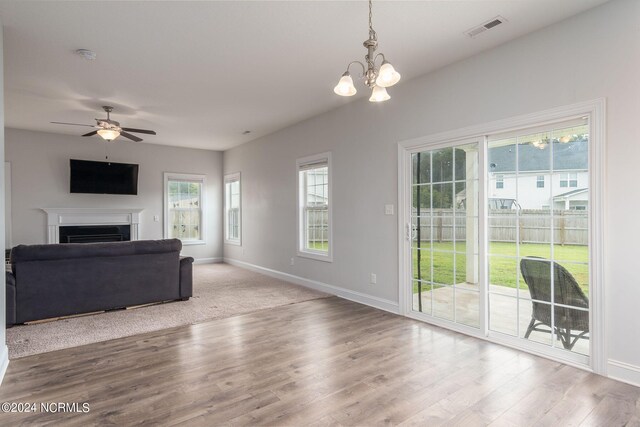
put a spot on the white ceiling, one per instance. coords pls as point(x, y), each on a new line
point(200, 73)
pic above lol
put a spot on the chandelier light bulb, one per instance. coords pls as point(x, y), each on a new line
point(345, 86)
point(108, 134)
point(565, 139)
point(387, 76)
point(379, 94)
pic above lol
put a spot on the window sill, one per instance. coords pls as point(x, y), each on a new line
point(316, 256)
point(193, 242)
point(233, 242)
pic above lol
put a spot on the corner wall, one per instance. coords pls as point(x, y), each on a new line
point(40, 179)
point(593, 55)
point(4, 351)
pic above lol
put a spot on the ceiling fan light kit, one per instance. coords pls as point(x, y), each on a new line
point(110, 129)
point(375, 78)
point(108, 134)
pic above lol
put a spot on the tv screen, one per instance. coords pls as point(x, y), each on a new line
point(103, 177)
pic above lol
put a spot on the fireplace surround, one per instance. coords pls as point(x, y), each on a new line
point(94, 218)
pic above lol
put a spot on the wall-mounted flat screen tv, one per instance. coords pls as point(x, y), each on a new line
point(103, 177)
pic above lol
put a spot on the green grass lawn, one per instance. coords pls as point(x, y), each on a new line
point(503, 271)
point(318, 246)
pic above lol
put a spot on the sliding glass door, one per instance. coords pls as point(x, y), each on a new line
point(538, 259)
point(444, 228)
point(498, 233)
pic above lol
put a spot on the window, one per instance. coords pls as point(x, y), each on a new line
point(183, 207)
point(569, 180)
point(314, 214)
point(540, 181)
point(499, 181)
point(233, 215)
point(578, 205)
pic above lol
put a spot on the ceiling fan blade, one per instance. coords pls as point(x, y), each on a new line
point(72, 124)
point(150, 132)
point(131, 137)
point(90, 133)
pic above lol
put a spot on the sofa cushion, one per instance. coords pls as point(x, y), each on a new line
point(91, 250)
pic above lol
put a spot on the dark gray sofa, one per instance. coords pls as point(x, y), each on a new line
point(73, 278)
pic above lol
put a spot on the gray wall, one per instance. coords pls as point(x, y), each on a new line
point(4, 352)
point(40, 179)
point(595, 54)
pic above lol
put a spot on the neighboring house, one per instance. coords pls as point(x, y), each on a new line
point(576, 200)
point(532, 183)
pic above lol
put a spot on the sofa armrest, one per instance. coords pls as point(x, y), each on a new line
point(11, 298)
point(186, 277)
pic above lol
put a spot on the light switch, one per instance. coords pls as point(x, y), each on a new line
point(388, 209)
point(156, 218)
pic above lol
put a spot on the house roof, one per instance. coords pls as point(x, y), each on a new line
point(567, 156)
point(570, 193)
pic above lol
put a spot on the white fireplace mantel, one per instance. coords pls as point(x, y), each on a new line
point(57, 217)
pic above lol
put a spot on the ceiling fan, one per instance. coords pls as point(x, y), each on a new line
point(110, 129)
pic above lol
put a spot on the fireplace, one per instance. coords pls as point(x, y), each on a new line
point(106, 223)
point(94, 233)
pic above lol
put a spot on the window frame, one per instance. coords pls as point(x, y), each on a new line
point(300, 235)
point(229, 178)
point(499, 181)
point(201, 178)
point(540, 179)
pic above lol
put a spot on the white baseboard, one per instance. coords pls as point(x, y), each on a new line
point(625, 372)
point(381, 303)
point(4, 362)
point(208, 260)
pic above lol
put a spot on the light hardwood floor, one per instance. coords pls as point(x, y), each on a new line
point(320, 362)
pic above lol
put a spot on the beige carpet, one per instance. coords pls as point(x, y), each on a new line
point(220, 290)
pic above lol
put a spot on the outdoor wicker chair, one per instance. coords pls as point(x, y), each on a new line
point(537, 276)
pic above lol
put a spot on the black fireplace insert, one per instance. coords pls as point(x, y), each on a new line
point(94, 233)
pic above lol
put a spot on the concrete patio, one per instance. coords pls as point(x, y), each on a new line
point(503, 310)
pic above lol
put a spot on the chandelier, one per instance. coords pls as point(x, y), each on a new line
point(378, 79)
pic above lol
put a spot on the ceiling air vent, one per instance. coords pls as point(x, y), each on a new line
point(492, 23)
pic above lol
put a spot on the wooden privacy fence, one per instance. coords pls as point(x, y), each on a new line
point(569, 227)
point(317, 225)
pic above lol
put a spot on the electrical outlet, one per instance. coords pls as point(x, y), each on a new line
point(373, 279)
point(293, 261)
point(156, 218)
point(388, 209)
